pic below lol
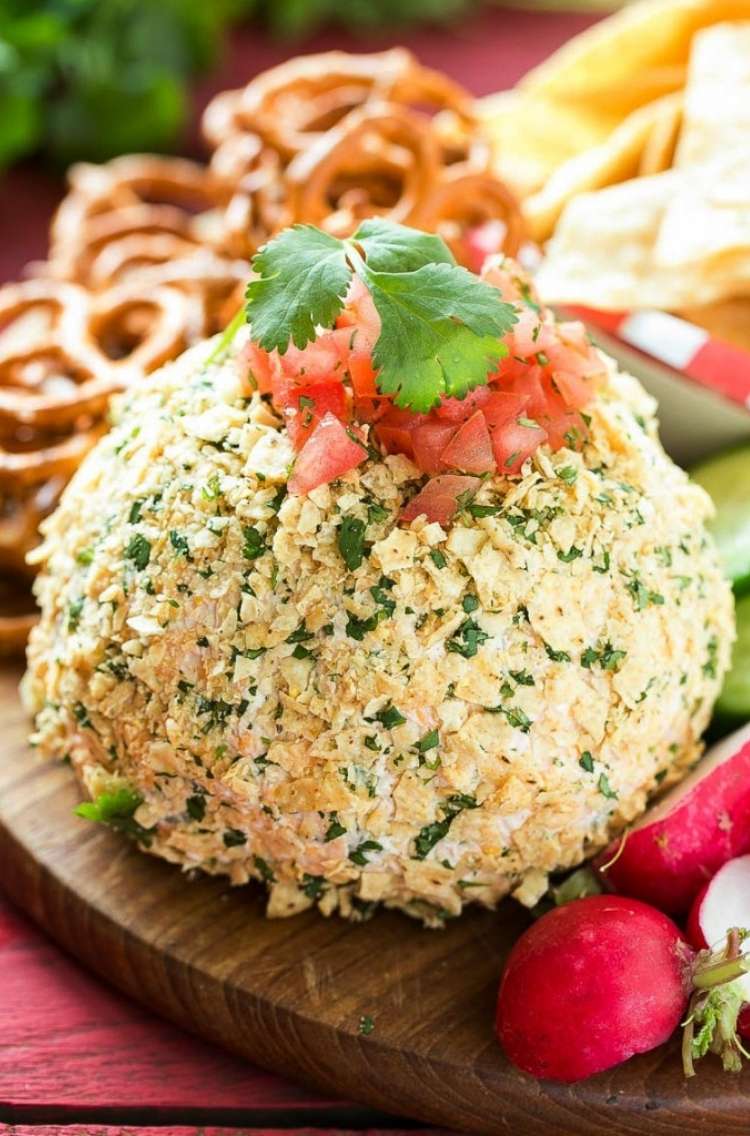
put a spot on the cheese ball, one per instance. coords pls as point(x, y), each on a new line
point(303, 691)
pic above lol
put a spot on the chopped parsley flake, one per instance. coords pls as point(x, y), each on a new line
point(642, 596)
point(351, 541)
point(366, 1025)
point(139, 551)
point(233, 838)
point(376, 514)
point(605, 788)
point(479, 511)
point(74, 613)
point(179, 544)
point(556, 656)
point(430, 741)
point(607, 657)
point(710, 667)
point(357, 628)
point(573, 553)
point(523, 678)
point(264, 870)
point(438, 558)
point(313, 886)
point(390, 717)
point(586, 761)
point(334, 830)
point(432, 834)
point(359, 854)
point(468, 639)
point(254, 544)
point(196, 806)
point(301, 635)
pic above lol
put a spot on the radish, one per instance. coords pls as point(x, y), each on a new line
point(721, 905)
point(682, 842)
point(590, 984)
point(743, 1023)
point(600, 979)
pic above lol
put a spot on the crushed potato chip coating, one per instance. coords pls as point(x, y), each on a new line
point(462, 714)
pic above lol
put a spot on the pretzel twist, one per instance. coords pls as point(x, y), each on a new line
point(464, 199)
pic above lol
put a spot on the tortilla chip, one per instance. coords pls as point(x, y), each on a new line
point(576, 99)
point(646, 137)
point(530, 138)
point(661, 145)
point(717, 97)
point(668, 241)
point(681, 237)
point(648, 40)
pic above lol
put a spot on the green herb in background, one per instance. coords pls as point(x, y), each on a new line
point(88, 79)
point(93, 78)
point(298, 17)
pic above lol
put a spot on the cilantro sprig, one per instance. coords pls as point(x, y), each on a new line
point(441, 327)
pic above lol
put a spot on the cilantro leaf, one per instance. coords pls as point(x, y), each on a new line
point(440, 332)
point(303, 276)
point(116, 810)
point(386, 244)
point(441, 327)
point(118, 804)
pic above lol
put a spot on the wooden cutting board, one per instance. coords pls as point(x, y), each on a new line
point(291, 995)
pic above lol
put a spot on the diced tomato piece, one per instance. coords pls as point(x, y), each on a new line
point(576, 391)
point(328, 453)
point(510, 368)
point(397, 416)
point(438, 500)
point(483, 241)
point(396, 440)
point(360, 313)
point(305, 406)
point(362, 375)
point(320, 359)
point(459, 409)
point(429, 441)
point(471, 447)
point(513, 444)
point(503, 406)
point(530, 336)
point(565, 429)
point(371, 409)
point(263, 365)
point(513, 284)
point(533, 387)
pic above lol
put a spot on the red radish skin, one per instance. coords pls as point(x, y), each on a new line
point(684, 840)
point(591, 984)
point(743, 1025)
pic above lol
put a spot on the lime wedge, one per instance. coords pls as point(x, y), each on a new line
point(734, 703)
point(726, 479)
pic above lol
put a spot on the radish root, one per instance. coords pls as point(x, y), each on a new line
point(718, 998)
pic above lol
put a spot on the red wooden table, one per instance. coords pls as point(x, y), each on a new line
point(76, 1057)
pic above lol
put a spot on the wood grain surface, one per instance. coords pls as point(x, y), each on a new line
point(184, 1130)
point(290, 995)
